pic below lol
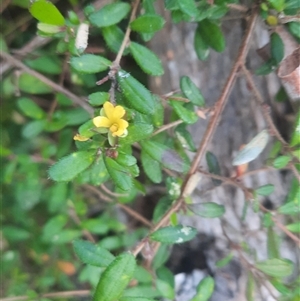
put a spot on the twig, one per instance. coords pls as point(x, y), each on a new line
point(75, 218)
point(77, 100)
point(130, 212)
point(286, 231)
point(68, 294)
point(116, 62)
point(166, 127)
point(212, 125)
point(114, 194)
point(238, 7)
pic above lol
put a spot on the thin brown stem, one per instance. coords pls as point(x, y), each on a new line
point(68, 294)
point(127, 34)
point(130, 211)
point(286, 231)
point(77, 100)
point(238, 7)
point(113, 194)
point(166, 127)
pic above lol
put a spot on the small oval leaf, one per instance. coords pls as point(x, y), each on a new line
point(253, 149)
point(151, 167)
point(146, 59)
point(148, 23)
point(276, 267)
point(98, 98)
point(136, 132)
point(90, 63)
point(46, 12)
point(208, 209)
point(191, 91)
point(185, 114)
point(277, 47)
point(92, 254)
point(204, 289)
point(212, 35)
point(265, 190)
point(172, 235)
point(30, 108)
point(70, 166)
point(119, 174)
point(136, 95)
point(110, 14)
point(115, 278)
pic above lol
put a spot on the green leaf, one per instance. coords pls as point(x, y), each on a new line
point(110, 14)
point(165, 289)
point(250, 288)
point(136, 132)
point(148, 23)
point(184, 114)
point(213, 166)
point(166, 156)
point(281, 161)
point(135, 299)
point(276, 267)
point(212, 35)
point(30, 109)
point(161, 208)
point(58, 199)
point(90, 63)
point(272, 244)
point(98, 98)
point(265, 189)
point(295, 140)
point(224, 261)
point(146, 59)
point(290, 208)
point(45, 64)
point(185, 138)
point(201, 48)
point(48, 28)
point(76, 116)
point(172, 235)
point(136, 95)
point(46, 12)
point(113, 37)
point(277, 47)
point(118, 173)
point(189, 8)
point(204, 289)
point(70, 166)
point(294, 227)
point(33, 128)
point(53, 227)
point(191, 91)
point(32, 85)
point(115, 278)
point(253, 149)
point(208, 209)
point(15, 234)
point(294, 28)
point(125, 159)
point(279, 5)
point(92, 254)
point(151, 167)
point(266, 68)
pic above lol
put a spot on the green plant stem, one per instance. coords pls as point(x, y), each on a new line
point(77, 100)
point(220, 105)
point(68, 294)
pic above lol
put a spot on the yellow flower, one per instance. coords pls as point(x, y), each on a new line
point(111, 119)
point(78, 137)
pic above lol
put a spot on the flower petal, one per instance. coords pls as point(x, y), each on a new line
point(101, 121)
point(122, 125)
point(109, 110)
point(119, 112)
